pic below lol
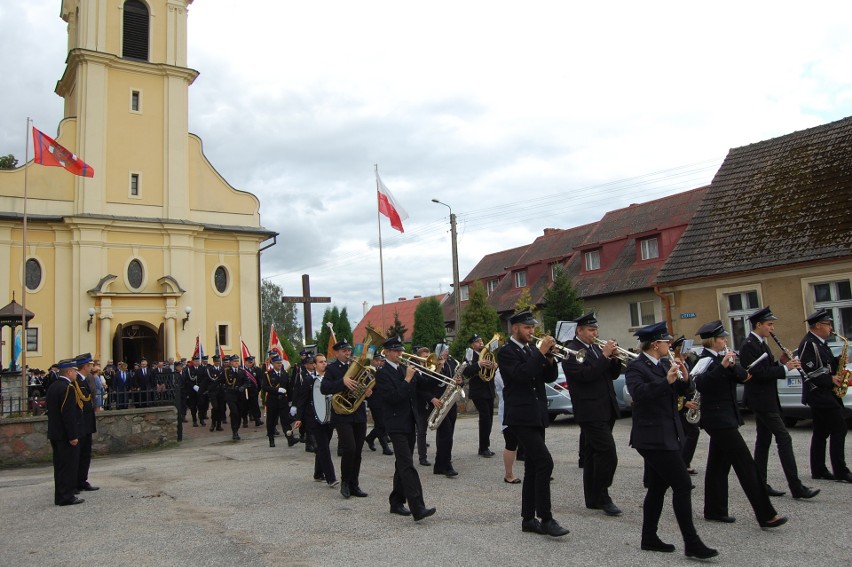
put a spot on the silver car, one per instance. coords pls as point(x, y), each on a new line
point(559, 400)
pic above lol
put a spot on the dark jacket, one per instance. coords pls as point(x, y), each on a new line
point(143, 380)
point(656, 422)
point(591, 384)
point(524, 376)
point(63, 414)
point(397, 398)
point(88, 422)
point(718, 388)
point(818, 391)
point(761, 392)
point(332, 383)
point(270, 384)
point(478, 388)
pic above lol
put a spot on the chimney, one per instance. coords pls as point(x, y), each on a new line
point(417, 297)
point(549, 231)
point(400, 299)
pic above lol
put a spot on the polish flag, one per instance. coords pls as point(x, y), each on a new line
point(389, 207)
point(275, 345)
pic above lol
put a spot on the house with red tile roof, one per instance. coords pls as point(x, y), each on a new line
point(381, 317)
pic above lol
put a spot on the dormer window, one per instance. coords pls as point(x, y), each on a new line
point(492, 285)
point(520, 278)
point(463, 293)
point(593, 260)
point(650, 248)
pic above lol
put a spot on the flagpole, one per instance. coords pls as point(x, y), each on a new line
point(24, 274)
point(381, 263)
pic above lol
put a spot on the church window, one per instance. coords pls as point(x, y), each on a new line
point(34, 275)
point(220, 279)
point(135, 274)
point(136, 26)
point(134, 184)
point(135, 101)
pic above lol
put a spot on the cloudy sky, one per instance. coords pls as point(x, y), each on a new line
point(519, 115)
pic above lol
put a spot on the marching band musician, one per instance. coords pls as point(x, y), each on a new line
point(63, 430)
point(397, 392)
point(721, 419)
point(203, 398)
point(590, 384)
point(235, 384)
point(378, 432)
point(189, 388)
point(299, 375)
point(657, 435)
point(481, 393)
point(421, 416)
point(274, 384)
point(827, 409)
point(444, 434)
point(352, 428)
point(254, 375)
point(306, 414)
point(761, 396)
point(88, 424)
point(691, 430)
point(525, 371)
point(212, 388)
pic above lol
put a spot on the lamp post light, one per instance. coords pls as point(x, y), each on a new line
point(456, 290)
point(186, 310)
point(91, 312)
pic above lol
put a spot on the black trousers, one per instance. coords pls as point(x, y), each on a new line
point(253, 406)
point(420, 417)
point(664, 469)
point(770, 425)
point(203, 405)
point(274, 412)
point(323, 465)
point(538, 466)
point(692, 433)
point(485, 407)
point(232, 399)
point(350, 438)
point(406, 481)
point(600, 460)
point(444, 442)
point(727, 449)
point(65, 463)
point(828, 424)
point(84, 459)
point(121, 399)
point(190, 401)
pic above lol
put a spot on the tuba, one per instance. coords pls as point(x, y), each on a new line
point(843, 374)
point(452, 393)
point(360, 370)
point(489, 352)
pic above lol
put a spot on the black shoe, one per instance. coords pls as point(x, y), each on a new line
point(580, 463)
point(344, 489)
point(532, 526)
point(805, 492)
point(272, 441)
point(276, 432)
point(610, 509)
point(72, 502)
point(700, 551)
point(89, 488)
point(691, 470)
point(425, 462)
point(310, 449)
point(235, 436)
point(212, 428)
point(356, 491)
point(774, 522)
point(772, 492)
point(387, 451)
point(291, 441)
point(552, 528)
point(400, 510)
point(845, 477)
point(203, 423)
point(195, 424)
point(656, 544)
point(824, 475)
point(371, 444)
point(219, 428)
point(451, 472)
point(726, 519)
point(245, 423)
point(486, 453)
point(422, 513)
point(258, 423)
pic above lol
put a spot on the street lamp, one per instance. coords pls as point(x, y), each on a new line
point(186, 310)
point(91, 318)
point(456, 290)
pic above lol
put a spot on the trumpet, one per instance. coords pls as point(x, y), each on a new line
point(621, 354)
point(560, 352)
point(428, 366)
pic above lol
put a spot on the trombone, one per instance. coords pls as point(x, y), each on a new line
point(621, 354)
point(560, 352)
point(428, 366)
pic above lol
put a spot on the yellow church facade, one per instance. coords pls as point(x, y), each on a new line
point(157, 247)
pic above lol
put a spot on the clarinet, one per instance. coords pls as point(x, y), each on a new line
point(791, 357)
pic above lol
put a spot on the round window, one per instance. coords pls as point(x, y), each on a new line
point(220, 278)
point(33, 276)
point(135, 274)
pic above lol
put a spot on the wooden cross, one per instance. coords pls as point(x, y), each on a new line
point(305, 299)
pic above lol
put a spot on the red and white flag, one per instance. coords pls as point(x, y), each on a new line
point(332, 340)
point(49, 152)
point(389, 207)
point(275, 345)
point(244, 350)
point(199, 350)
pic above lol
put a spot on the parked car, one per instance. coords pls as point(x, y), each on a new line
point(559, 400)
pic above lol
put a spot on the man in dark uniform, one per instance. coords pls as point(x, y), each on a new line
point(203, 399)
point(378, 432)
point(274, 384)
point(397, 393)
point(306, 414)
point(88, 423)
point(590, 384)
point(351, 428)
point(444, 434)
point(189, 390)
point(235, 383)
point(818, 393)
point(254, 375)
point(761, 396)
point(63, 431)
point(716, 379)
point(421, 415)
point(481, 392)
point(212, 388)
point(524, 371)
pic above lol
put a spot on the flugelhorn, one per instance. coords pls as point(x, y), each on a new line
point(428, 366)
point(621, 354)
point(560, 352)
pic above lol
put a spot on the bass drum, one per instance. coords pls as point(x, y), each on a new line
point(322, 403)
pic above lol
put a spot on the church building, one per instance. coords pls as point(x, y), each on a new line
point(157, 247)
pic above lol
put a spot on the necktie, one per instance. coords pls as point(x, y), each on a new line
point(527, 351)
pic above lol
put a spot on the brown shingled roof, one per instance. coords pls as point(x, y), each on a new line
point(777, 202)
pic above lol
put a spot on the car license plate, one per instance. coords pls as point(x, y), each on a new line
point(794, 382)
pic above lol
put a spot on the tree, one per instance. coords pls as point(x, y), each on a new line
point(561, 302)
point(397, 329)
point(477, 317)
point(282, 315)
point(428, 323)
point(343, 328)
point(524, 302)
point(8, 162)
